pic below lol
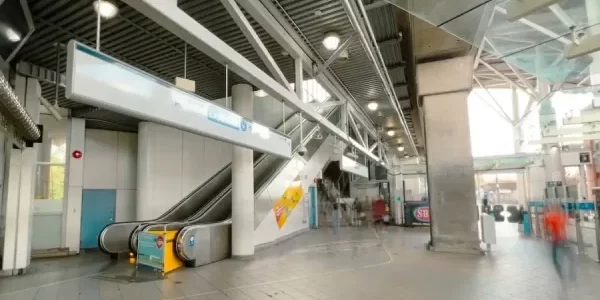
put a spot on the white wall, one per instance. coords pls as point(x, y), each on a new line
point(171, 164)
point(268, 231)
point(535, 182)
point(110, 162)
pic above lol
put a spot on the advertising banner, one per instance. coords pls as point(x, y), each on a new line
point(151, 250)
point(284, 207)
point(416, 213)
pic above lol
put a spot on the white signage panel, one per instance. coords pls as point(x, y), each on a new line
point(351, 166)
point(97, 79)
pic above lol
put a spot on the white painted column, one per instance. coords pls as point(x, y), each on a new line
point(242, 181)
point(518, 140)
point(144, 171)
point(73, 185)
point(21, 188)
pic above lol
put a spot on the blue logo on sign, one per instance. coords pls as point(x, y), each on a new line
point(192, 241)
point(244, 125)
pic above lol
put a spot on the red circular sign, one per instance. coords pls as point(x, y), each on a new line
point(422, 214)
point(159, 242)
point(77, 154)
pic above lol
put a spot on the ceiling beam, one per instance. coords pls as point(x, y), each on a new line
point(270, 17)
point(335, 54)
point(376, 4)
point(238, 16)
point(392, 41)
point(171, 17)
point(396, 66)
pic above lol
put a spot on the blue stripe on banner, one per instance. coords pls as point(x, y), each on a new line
point(567, 206)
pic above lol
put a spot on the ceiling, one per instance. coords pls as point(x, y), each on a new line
point(137, 40)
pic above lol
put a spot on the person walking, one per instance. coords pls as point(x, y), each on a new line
point(335, 218)
point(555, 221)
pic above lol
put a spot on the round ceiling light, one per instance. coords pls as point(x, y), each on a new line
point(12, 35)
point(400, 148)
point(260, 93)
point(372, 106)
point(105, 8)
point(331, 41)
point(391, 133)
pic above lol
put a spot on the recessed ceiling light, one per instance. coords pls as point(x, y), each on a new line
point(105, 8)
point(405, 155)
point(260, 93)
point(372, 106)
point(12, 35)
point(391, 132)
point(331, 41)
point(400, 148)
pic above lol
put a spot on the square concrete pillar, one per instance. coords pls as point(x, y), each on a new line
point(444, 87)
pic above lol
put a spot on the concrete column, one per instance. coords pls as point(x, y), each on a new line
point(73, 185)
point(445, 86)
point(242, 181)
point(552, 160)
point(518, 139)
point(20, 188)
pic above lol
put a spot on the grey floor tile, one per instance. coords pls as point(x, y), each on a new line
point(354, 264)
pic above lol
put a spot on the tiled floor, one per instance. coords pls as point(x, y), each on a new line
point(353, 264)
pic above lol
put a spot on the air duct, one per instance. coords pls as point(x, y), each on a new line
point(15, 113)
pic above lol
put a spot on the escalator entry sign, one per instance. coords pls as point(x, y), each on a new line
point(192, 241)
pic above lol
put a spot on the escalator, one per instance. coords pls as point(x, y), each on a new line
point(208, 239)
point(121, 237)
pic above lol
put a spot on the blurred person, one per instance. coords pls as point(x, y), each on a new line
point(335, 217)
point(555, 221)
point(378, 213)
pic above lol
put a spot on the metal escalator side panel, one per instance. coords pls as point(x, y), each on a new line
point(204, 244)
point(116, 237)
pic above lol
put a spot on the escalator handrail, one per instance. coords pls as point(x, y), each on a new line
point(265, 184)
point(219, 196)
point(184, 199)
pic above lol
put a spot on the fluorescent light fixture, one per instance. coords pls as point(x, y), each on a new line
point(372, 106)
point(331, 41)
point(12, 35)
point(105, 8)
point(391, 133)
point(400, 148)
point(260, 93)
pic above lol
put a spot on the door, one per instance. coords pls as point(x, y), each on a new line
point(97, 211)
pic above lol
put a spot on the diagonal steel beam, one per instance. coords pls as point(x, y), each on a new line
point(517, 72)
point(239, 18)
point(497, 72)
point(335, 54)
point(281, 28)
point(372, 148)
point(356, 131)
point(172, 18)
point(499, 110)
point(538, 27)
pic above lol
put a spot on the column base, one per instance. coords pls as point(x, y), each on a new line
point(452, 249)
point(243, 257)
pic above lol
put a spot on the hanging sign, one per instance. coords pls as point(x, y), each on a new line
point(97, 79)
